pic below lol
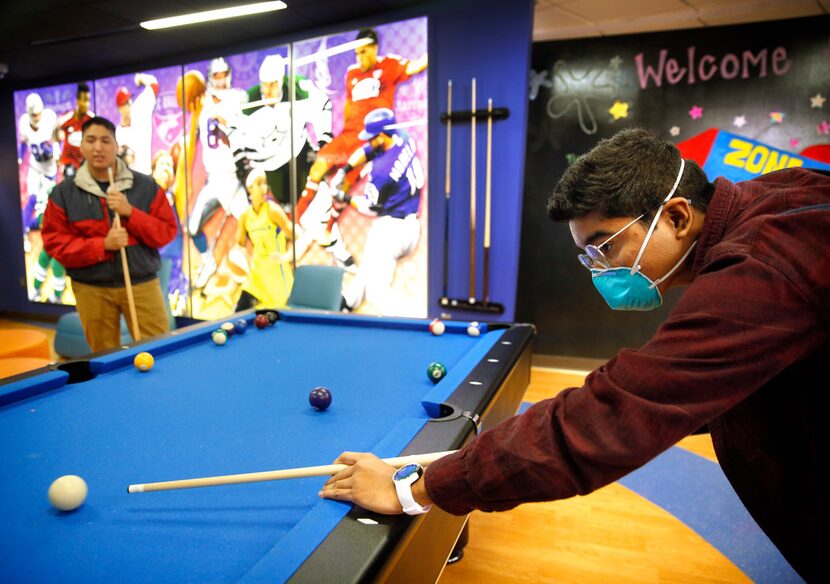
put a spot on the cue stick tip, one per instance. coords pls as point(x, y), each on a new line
point(135, 489)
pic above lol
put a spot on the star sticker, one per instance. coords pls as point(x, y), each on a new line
point(776, 117)
point(823, 128)
point(615, 62)
point(794, 142)
point(619, 110)
point(817, 101)
point(696, 112)
point(739, 121)
point(674, 131)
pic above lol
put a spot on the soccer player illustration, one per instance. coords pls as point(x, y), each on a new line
point(219, 108)
point(269, 278)
point(134, 132)
point(371, 83)
point(38, 128)
point(69, 132)
point(392, 192)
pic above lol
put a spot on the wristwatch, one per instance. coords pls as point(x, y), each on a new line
point(404, 478)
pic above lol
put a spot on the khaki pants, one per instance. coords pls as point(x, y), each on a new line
point(100, 308)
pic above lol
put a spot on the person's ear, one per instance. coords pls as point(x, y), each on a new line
point(679, 213)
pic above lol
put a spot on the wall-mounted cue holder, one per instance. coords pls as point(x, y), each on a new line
point(498, 113)
point(473, 302)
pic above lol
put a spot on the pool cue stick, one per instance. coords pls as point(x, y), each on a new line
point(276, 475)
point(486, 291)
point(473, 200)
point(447, 189)
point(126, 269)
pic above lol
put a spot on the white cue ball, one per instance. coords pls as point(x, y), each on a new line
point(67, 493)
point(473, 330)
point(437, 327)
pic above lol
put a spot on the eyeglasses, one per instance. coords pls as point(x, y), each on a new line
point(594, 257)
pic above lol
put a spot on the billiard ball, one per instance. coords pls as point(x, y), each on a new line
point(437, 327)
point(143, 361)
point(219, 336)
point(436, 371)
point(241, 326)
point(261, 321)
point(272, 317)
point(67, 493)
point(474, 329)
point(319, 398)
point(228, 327)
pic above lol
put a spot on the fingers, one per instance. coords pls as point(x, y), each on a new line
point(352, 457)
point(339, 476)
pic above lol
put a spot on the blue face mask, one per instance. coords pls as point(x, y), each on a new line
point(629, 288)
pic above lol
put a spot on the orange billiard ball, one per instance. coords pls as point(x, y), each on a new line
point(144, 361)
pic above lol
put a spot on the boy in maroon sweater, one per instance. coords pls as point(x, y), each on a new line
point(741, 352)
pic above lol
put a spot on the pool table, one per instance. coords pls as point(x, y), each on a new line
point(206, 409)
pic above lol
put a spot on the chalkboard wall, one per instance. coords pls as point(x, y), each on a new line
point(740, 100)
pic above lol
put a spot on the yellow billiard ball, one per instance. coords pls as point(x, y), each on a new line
point(144, 361)
point(67, 493)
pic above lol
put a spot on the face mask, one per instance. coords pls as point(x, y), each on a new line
point(629, 288)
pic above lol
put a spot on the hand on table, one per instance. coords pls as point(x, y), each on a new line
point(367, 482)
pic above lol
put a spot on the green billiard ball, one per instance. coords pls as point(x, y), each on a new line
point(436, 372)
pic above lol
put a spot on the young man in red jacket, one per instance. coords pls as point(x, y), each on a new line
point(740, 351)
point(78, 230)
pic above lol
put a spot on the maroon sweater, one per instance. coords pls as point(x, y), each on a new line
point(744, 350)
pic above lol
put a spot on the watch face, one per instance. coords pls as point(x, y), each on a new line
point(407, 471)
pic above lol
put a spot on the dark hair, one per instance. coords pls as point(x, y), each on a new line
point(368, 33)
point(624, 176)
point(98, 121)
point(82, 88)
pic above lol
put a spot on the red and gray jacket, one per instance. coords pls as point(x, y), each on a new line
point(77, 220)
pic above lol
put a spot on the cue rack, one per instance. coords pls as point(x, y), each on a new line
point(472, 302)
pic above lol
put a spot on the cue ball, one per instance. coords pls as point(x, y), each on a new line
point(319, 398)
point(67, 493)
point(436, 371)
point(261, 321)
point(219, 336)
point(473, 330)
point(228, 327)
point(437, 327)
point(241, 326)
point(143, 361)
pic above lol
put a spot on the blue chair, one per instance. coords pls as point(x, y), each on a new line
point(70, 342)
point(317, 288)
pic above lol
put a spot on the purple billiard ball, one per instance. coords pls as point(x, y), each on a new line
point(319, 398)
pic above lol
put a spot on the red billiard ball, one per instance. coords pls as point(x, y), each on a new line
point(319, 398)
point(261, 321)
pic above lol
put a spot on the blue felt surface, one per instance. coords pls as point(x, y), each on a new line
point(207, 410)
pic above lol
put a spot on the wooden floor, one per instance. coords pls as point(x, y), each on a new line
point(611, 535)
